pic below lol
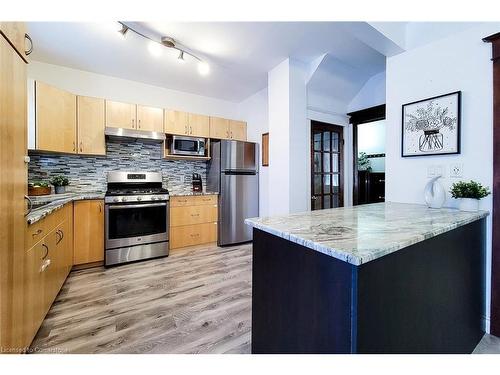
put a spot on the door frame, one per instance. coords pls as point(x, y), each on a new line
point(319, 125)
point(495, 245)
point(356, 118)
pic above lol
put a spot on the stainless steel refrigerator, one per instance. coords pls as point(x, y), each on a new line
point(233, 172)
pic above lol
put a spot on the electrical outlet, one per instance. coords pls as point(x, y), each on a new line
point(456, 170)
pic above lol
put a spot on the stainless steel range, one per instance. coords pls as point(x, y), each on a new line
point(136, 217)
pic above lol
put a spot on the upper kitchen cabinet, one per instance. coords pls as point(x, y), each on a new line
point(90, 119)
point(222, 128)
point(150, 118)
point(55, 119)
point(238, 130)
point(15, 32)
point(199, 125)
point(219, 128)
point(121, 115)
point(189, 124)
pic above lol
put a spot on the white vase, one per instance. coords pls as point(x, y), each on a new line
point(468, 204)
point(434, 193)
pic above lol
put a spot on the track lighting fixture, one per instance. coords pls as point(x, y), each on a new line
point(154, 47)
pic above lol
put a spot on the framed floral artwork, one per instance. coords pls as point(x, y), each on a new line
point(431, 126)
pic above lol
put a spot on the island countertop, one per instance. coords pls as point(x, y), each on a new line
point(363, 233)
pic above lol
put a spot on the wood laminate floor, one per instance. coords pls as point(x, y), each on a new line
point(194, 301)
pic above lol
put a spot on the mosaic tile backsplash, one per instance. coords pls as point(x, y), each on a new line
point(88, 173)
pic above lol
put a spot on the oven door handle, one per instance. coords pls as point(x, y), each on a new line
point(142, 205)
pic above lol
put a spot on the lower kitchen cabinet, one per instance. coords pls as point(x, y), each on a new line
point(88, 216)
point(47, 263)
point(193, 220)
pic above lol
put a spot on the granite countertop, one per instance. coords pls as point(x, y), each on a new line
point(55, 202)
point(363, 233)
point(190, 193)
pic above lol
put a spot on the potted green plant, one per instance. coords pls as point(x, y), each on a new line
point(363, 162)
point(469, 194)
point(60, 183)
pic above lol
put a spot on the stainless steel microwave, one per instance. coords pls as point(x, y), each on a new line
point(188, 146)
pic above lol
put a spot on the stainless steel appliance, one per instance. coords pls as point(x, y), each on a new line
point(187, 146)
point(134, 134)
point(233, 172)
point(136, 217)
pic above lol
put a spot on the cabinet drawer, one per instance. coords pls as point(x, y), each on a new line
point(37, 231)
point(192, 215)
point(190, 235)
point(193, 200)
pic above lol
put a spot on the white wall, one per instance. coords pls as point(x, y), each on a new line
point(458, 62)
point(371, 94)
point(91, 84)
point(255, 110)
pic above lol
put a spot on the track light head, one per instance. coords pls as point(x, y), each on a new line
point(168, 42)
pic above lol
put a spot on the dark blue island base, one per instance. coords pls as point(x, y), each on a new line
point(425, 298)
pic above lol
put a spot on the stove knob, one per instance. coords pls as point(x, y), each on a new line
point(124, 199)
point(153, 198)
point(116, 200)
point(139, 198)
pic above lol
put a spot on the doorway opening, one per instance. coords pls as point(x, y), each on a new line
point(368, 155)
point(327, 165)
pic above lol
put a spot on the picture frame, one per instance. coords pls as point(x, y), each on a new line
point(431, 126)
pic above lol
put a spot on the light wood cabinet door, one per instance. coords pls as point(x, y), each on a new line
point(176, 122)
point(238, 130)
point(150, 118)
point(55, 119)
point(90, 124)
point(189, 235)
point(51, 272)
point(13, 186)
point(219, 128)
point(121, 115)
point(15, 32)
point(193, 200)
point(192, 215)
point(199, 125)
point(88, 231)
point(34, 307)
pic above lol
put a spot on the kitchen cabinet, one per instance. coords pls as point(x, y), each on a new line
point(238, 130)
point(150, 118)
point(222, 128)
point(13, 187)
point(90, 123)
point(121, 115)
point(219, 128)
point(188, 124)
point(48, 261)
point(88, 234)
point(15, 33)
point(55, 119)
point(193, 220)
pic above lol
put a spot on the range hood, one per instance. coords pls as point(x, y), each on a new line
point(133, 134)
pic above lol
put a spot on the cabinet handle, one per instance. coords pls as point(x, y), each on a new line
point(60, 237)
point(194, 215)
point(30, 205)
point(186, 129)
point(100, 208)
point(74, 146)
point(139, 122)
point(46, 251)
point(191, 130)
point(133, 126)
point(195, 235)
point(39, 231)
point(29, 50)
point(81, 146)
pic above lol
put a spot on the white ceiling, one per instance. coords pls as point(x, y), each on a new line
point(239, 54)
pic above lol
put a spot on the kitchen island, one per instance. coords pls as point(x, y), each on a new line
point(378, 278)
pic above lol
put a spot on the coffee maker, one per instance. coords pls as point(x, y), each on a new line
point(197, 183)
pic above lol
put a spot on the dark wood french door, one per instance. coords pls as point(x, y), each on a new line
point(327, 161)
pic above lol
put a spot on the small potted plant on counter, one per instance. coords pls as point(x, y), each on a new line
point(469, 194)
point(60, 183)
